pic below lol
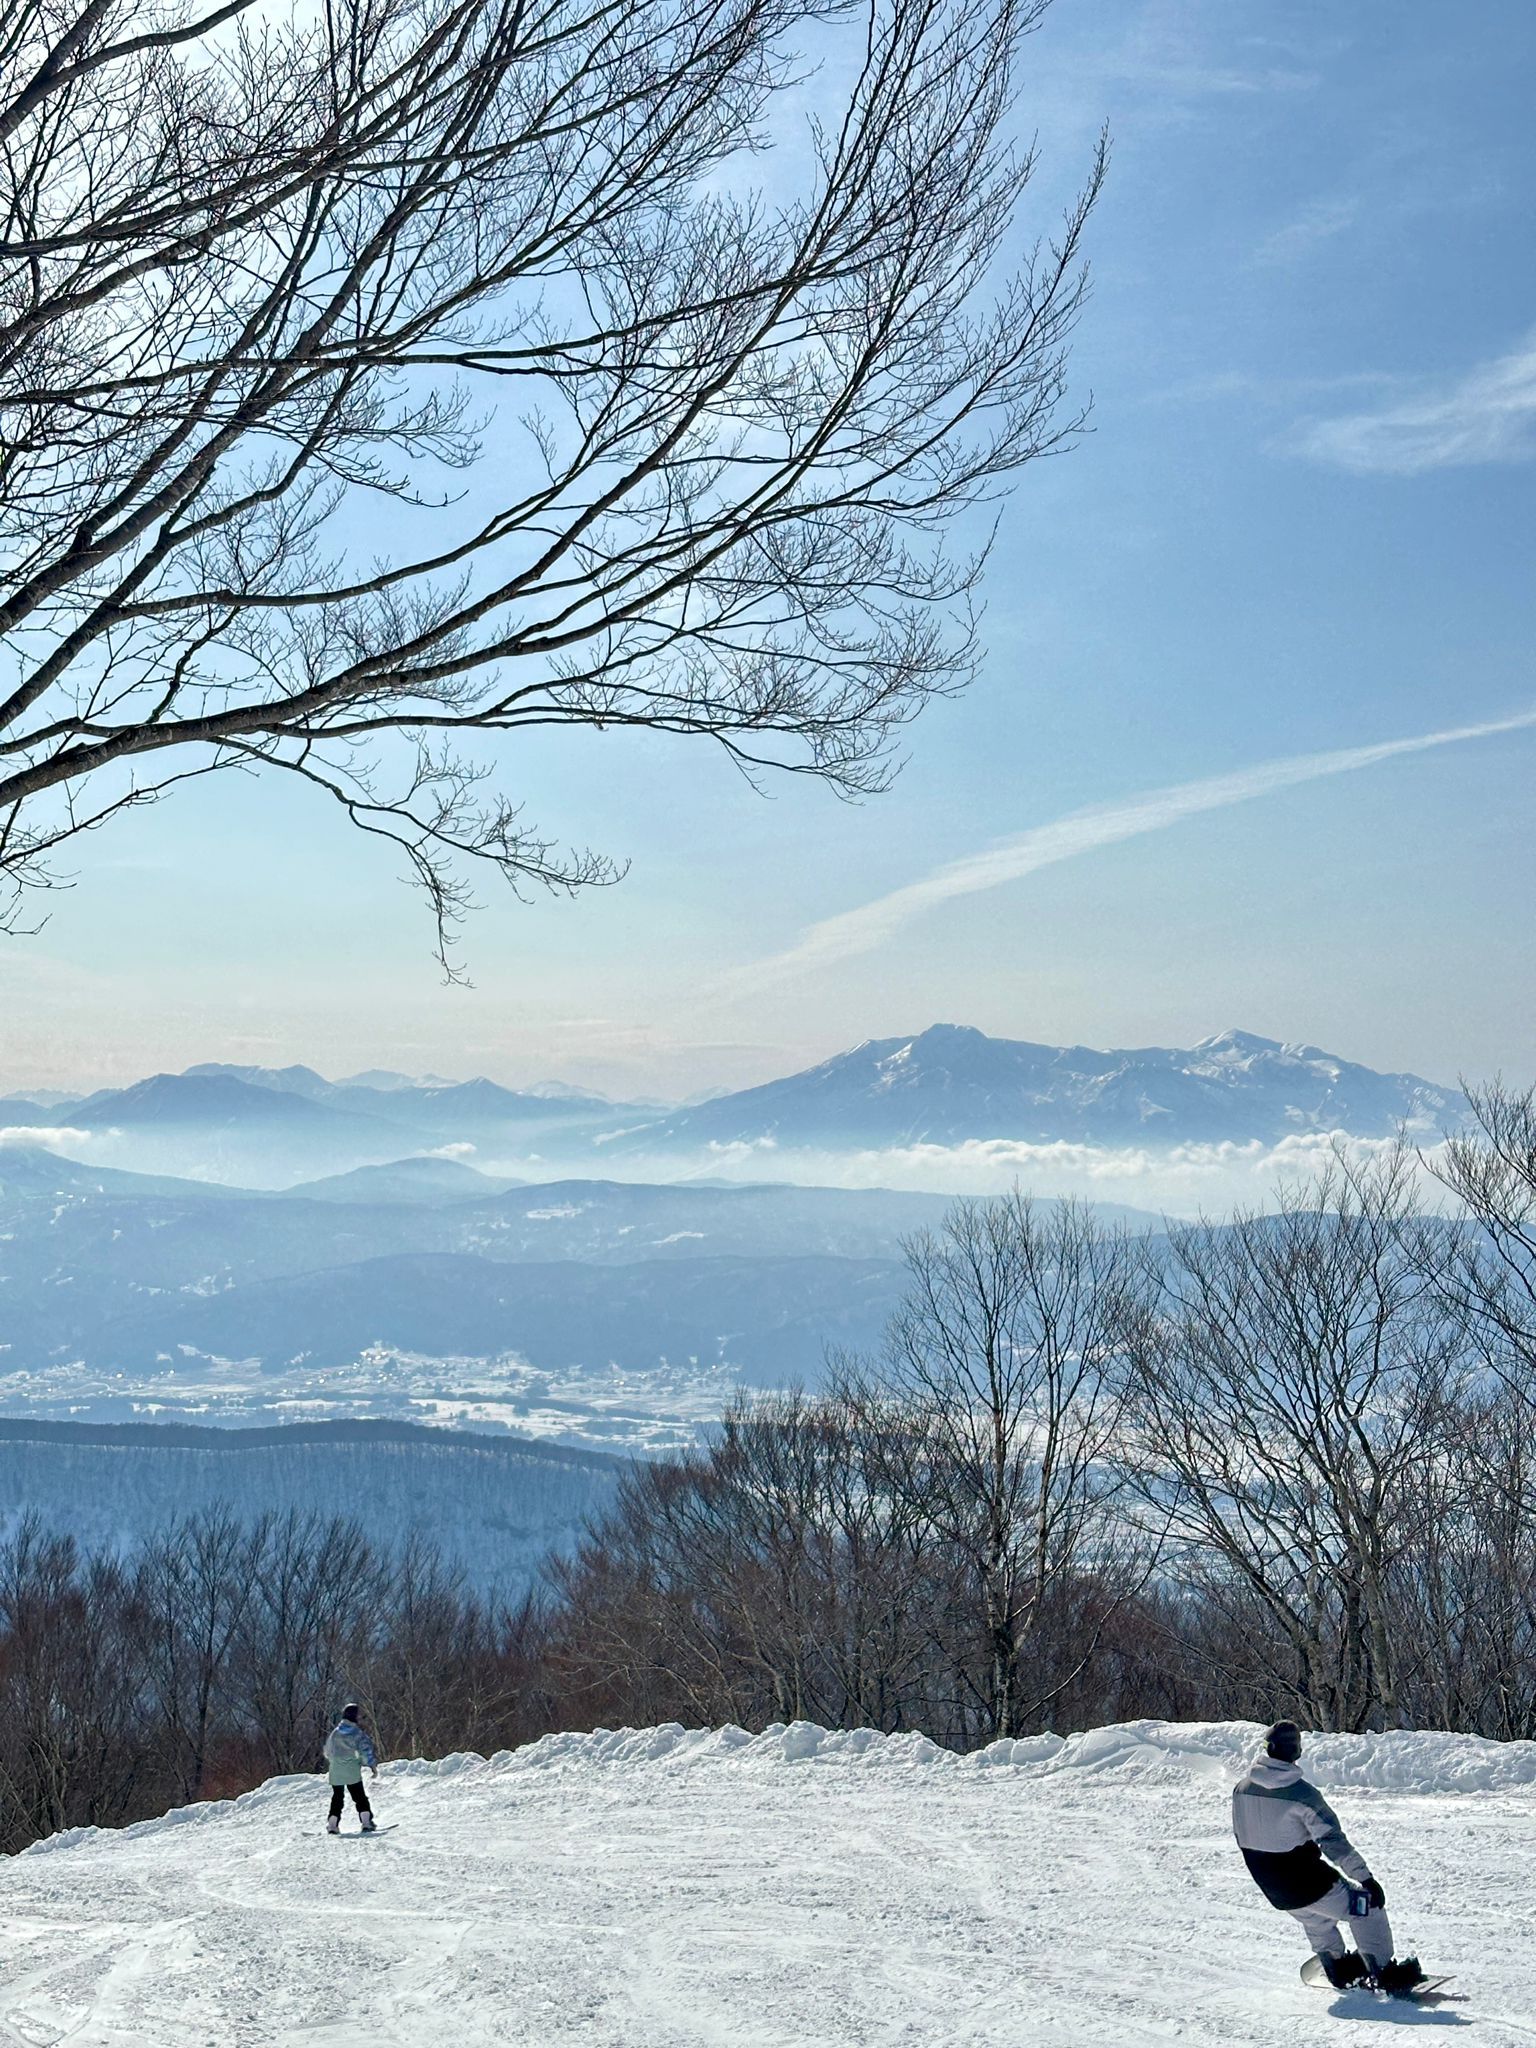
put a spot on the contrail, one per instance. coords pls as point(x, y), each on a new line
point(862, 930)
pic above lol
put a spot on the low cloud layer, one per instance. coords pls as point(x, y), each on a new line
point(1178, 1180)
point(44, 1137)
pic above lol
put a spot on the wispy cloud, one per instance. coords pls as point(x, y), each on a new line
point(1319, 222)
point(871, 925)
point(1173, 47)
point(1489, 415)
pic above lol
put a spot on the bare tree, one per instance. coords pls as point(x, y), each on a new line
point(1491, 1276)
point(1002, 1352)
point(430, 1673)
point(1291, 1375)
point(71, 1670)
point(380, 375)
point(195, 1584)
point(317, 1589)
point(1464, 1590)
point(775, 1574)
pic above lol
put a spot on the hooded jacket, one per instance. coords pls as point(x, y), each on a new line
point(1286, 1829)
point(347, 1749)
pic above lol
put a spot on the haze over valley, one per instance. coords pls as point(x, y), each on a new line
point(241, 1246)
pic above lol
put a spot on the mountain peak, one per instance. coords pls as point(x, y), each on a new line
point(1233, 1040)
point(951, 1034)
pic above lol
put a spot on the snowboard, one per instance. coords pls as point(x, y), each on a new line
point(1313, 1973)
point(357, 1835)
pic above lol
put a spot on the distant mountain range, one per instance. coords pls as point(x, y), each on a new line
point(543, 1260)
point(947, 1086)
point(268, 1127)
point(436, 1104)
point(953, 1084)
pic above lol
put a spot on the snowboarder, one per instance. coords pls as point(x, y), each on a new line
point(347, 1751)
point(1302, 1862)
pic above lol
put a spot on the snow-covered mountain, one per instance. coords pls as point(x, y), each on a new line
point(663, 1889)
point(268, 1127)
point(947, 1086)
point(952, 1084)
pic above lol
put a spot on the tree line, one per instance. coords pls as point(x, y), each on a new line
point(216, 1655)
point(1282, 1463)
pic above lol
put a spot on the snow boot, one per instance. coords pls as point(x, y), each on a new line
point(332, 1824)
point(1343, 1971)
point(1401, 1976)
point(367, 1821)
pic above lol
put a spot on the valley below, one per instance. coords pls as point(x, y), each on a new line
point(248, 1249)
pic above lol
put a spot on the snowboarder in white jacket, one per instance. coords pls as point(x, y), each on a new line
point(1302, 1861)
point(348, 1751)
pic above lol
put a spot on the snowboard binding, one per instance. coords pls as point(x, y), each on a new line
point(1403, 1978)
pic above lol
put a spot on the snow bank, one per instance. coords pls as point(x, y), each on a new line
point(1152, 1752)
point(1421, 1761)
point(206, 1812)
point(1404, 1761)
point(1424, 1762)
point(794, 1743)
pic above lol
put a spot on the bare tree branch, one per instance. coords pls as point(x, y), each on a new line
point(435, 368)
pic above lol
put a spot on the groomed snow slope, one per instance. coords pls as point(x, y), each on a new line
point(796, 1888)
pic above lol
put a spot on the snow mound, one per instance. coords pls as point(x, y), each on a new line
point(1421, 1761)
point(779, 1743)
point(1424, 1763)
point(1160, 1752)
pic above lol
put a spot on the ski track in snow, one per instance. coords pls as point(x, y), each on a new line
point(665, 1889)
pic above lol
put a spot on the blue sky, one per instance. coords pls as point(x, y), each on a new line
point(1302, 524)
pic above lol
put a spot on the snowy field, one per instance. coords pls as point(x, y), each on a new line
point(794, 1889)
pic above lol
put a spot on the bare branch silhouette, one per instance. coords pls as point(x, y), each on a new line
point(383, 378)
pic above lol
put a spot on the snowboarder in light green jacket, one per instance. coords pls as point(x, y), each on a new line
point(348, 1752)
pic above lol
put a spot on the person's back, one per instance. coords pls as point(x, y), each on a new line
point(1304, 1864)
point(1286, 1830)
point(348, 1752)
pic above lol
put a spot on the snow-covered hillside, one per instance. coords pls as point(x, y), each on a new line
point(794, 1889)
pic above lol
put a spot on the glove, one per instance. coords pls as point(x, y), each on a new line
point(1374, 1893)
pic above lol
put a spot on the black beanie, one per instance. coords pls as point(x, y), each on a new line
point(350, 1711)
point(1284, 1741)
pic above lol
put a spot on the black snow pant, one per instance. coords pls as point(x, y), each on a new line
point(339, 1799)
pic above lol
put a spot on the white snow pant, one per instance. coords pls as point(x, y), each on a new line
point(1373, 1935)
